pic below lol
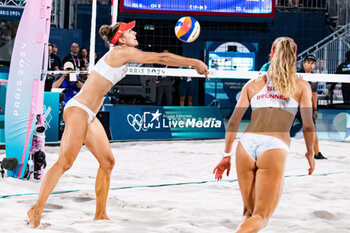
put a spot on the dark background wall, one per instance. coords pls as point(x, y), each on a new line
point(306, 28)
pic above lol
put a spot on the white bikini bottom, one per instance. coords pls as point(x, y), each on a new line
point(73, 103)
point(256, 144)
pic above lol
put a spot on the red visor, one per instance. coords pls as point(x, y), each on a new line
point(122, 28)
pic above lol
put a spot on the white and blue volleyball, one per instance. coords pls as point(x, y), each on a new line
point(187, 29)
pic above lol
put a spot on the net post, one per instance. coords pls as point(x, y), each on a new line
point(93, 35)
point(114, 11)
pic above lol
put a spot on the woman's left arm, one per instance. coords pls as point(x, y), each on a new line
point(231, 133)
point(169, 59)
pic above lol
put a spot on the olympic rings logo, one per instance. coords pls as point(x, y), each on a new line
point(136, 122)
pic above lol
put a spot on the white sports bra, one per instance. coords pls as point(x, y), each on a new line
point(268, 96)
point(113, 74)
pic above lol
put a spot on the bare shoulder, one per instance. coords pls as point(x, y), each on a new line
point(258, 80)
point(254, 85)
point(123, 55)
point(301, 84)
point(125, 51)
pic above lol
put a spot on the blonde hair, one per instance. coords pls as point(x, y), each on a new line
point(283, 65)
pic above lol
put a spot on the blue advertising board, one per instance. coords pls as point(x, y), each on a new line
point(50, 113)
point(209, 7)
point(2, 112)
point(151, 122)
point(51, 116)
point(2, 130)
point(4, 74)
point(331, 124)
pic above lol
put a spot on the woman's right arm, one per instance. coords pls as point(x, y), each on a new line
point(308, 124)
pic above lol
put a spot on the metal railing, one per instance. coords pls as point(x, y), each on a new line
point(320, 5)
point(343, 12)
point(13, 3)
point(103, 2)
point(331, 49)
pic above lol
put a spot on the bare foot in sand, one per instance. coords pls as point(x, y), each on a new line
point(34, 217)
point(101, 217)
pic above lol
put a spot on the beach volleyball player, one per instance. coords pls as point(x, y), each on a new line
point(262, 150)
point(81, 125)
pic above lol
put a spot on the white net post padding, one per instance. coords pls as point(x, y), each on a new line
point(93, 35)
point(114, 11)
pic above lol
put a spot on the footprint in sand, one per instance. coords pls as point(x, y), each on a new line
point(83, 199)
point(324, 215)
point(228, 224)
point(42, 226)
point(53, 207)
point(319, 196)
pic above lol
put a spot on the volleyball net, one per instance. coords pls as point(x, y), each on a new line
point(221, 74)
point(221, 84)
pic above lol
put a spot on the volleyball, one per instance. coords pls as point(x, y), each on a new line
point(187, 29)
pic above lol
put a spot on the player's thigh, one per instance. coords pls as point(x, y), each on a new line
point(97, 142)
point(269, 181)
point(74, 133)
point(246, 168)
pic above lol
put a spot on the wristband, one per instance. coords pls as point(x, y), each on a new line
point(224, 154)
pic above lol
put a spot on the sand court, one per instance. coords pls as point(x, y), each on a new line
point(168, 186)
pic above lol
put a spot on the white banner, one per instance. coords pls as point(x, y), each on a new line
point(176, 72)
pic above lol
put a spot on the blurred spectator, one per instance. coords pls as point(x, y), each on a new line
point(186, 90)
point(73, 57)
point(51, 66)
point(71, 82)
point(84, 55)
point(164, 88)
point(293, 3)
point(5, 36)
point(54, 49)
point(6, 43)
point(56, 57)
point(96, 57)
point(266, 66)
point(54, 61)
point(320, 67)
point(344, 68)
point(342, 12)
point(323, 87)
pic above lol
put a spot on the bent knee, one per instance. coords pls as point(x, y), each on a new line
point(108, 163)
point(65, 165)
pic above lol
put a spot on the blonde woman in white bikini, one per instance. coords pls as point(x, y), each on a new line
point(81, 125)
point(262, 149)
